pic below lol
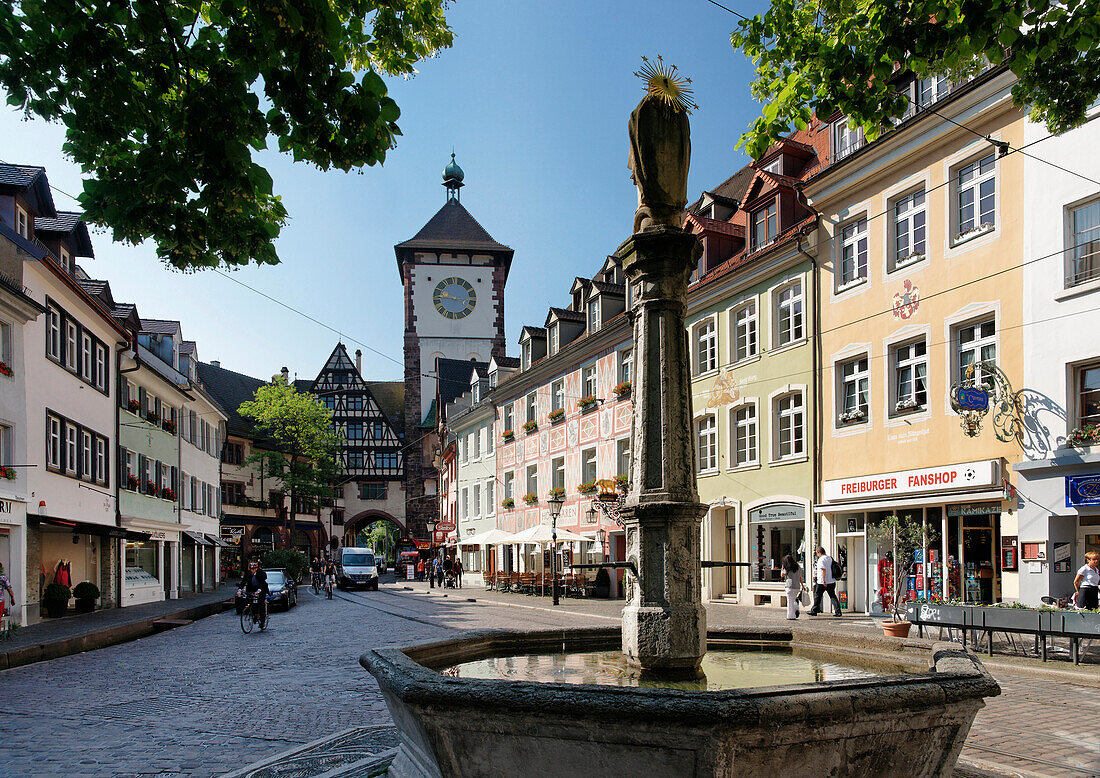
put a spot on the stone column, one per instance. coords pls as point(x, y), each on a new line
point(664, 622)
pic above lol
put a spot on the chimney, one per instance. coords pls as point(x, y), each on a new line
point(215, 363)
point(359, 361)
point(286, 374)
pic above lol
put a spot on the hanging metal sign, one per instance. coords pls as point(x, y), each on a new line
point(972, 398)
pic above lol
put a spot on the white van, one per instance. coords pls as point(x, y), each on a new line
point(357, 567)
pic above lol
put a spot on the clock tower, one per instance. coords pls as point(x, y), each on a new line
point(453, 274)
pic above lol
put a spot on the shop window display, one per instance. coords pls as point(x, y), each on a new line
point(141, 563)
point(771, 542)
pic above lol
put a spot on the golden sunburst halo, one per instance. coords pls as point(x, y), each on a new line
point(665, 82)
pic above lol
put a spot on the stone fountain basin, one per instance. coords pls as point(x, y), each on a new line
point(901, 725)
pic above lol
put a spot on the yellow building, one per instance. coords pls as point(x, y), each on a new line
point(920, 246)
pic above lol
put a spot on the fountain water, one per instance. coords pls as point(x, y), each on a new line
point(904, 725)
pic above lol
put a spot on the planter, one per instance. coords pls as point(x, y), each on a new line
point(940, 615)
point(1018, 619)
point(896, 629)
point(1086, 624)
point(55, 609)
point(85, 605)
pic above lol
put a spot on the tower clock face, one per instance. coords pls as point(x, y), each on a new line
point(454, 298)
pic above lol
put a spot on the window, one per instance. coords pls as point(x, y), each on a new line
point(557, 473)
point(507, 418)
point(593, 315)
point(707, 444)
point(853, 391)
point(626, 365)
point(525, 354)
point(622, 456)
point(22, 223)
point(5, 343)
point(909, 229)
point(233, 453)
point(588, 465)
point(7, 445)
point(355, 430)
point(53, 442)
point(355, 460)
point(355, 403)
point(53, 333)
point(791, 442)
point(557, 395)
point(765, 225)
point(101, 367)
point(532, 479)
point(372, 491)
point(743, 421)
point(85, 455)
point(1083, 254)
point(532, 407)
point(70, 449)
point(488, 439)
point(846, 139)
point(70, 345)
point(931, 89)
point(706, 347)
point(975, 196)
point(910, 376)
point(490, 503)
point(977, 348)
point(387, 460)
point(464, 502)
point(853, 253)
point(1088, 395)
point(476, 490)
point(789, 314)
point(86, 357)
point(510, 485)
point(552, 337)
point(744, 332)
point(475, 444)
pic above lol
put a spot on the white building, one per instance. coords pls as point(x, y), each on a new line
point(1060, 480)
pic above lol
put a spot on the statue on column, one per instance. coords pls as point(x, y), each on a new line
point(660, 146)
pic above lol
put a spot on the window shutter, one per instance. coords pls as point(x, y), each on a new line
point(143, 464)
point(174, 481)
point(122, 459)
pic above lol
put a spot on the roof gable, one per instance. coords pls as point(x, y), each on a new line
point(453, 227)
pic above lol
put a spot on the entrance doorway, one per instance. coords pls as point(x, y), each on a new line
point(731, 555)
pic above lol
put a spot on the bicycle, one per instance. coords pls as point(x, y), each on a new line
point(250, 617)
point(318, 585)
point(329, 581)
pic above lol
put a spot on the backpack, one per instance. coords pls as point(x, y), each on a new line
point(838, 571)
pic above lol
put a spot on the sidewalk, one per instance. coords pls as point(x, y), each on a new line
point(52, 638)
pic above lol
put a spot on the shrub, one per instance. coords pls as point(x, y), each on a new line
point(57, 593)
point(295, 563)
point(86, 590)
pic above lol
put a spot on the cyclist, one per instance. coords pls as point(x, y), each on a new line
point(253, 582)
point(315, 571)
point(330, 576)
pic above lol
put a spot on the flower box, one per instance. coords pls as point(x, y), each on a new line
point(8, 473)
point(6, 370)
point(852, 417)
point(531, 498)
point(508, 436)
point(911, 259)
point(588, 487)
point(586, 403)
point(132, 483)
point(556, 416)
point(557, 493)
point(530, 426)
point(1079, 624)
point(939, 615)
point(152, 417)
point(134, 406)
point(906, 405)
point(508, 503)
point(623, 389)
point(150, 488)
point(1089, 435)
point(622, 482)
point(973, 232)
point(1018, 619)
point(169, 426)
point(167, 494)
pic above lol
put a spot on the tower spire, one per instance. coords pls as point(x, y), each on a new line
point(452, 179)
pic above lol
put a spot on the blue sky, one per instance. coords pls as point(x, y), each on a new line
point(534, 98)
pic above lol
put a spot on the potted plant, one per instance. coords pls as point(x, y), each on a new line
point(86, 593)
point(1088, 435)
point(531, 498)
point(150, 488)
point(904, 535)
point(169, 426)
point(557, 493)
point(623, 389)
point(587, 403)
point(8, 473)
point(6, 370)
point(151, 417)
point(167, 493)
point(556, 416)
point(131, 482)
point(134, 406)
point(588, 487)
point(508, 435)
point(508, 503)
point(622, 482)
point(530, 426)
point(56, 600)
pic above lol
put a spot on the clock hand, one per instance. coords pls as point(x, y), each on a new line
point(448, 296)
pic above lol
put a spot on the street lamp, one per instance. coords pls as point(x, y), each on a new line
point(431, 524)
point(555, 504)
point(601, 535)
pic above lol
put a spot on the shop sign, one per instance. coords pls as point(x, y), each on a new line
point(974, 509)
point(1082, 490)
point(446, 525)
point(972, 398)
point(11, 511)
point(783, 511)
point(157, 535)
point(968, 475)
point(233, 535)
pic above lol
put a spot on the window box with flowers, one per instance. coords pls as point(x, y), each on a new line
point(556, 416)
point(6, 370)
point(530, 426)
point(167, 493)
point(508, 435)
point(152, 418)
point(169, 426)
point(910, 259)
point(972, 233)
point(853, 417)
point(588, 487)
point(134, 407)
point(7, 473)
point(623, 390)
point(907, 405)
point(1088, 435)
point(557, 493)
point(508, 503)
point(150, 489)
point(531, 498)
point(132, 483)
point(586, 403)
point(622, 482)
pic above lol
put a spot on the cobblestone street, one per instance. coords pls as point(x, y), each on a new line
point(206, 699)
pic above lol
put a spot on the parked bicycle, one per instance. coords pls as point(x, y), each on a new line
point(254, 614)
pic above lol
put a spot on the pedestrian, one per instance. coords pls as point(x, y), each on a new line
point(420, 569)
point(439, 572)
point(1087, 582)
point(458, 572)
point(792, 584)
point(825, 581)
point(433, 565)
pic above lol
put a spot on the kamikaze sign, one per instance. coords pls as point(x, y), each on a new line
point(968, 475)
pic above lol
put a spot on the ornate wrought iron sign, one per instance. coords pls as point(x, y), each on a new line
point(985, 387)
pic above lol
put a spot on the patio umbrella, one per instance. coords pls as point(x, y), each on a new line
point(492, 537)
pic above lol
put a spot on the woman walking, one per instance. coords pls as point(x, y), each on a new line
point(792, 583)
point(1087, 582)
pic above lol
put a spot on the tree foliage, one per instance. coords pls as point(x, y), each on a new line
point(305, 460)
point(165, 102)
point(818, 56)
point(903, 535)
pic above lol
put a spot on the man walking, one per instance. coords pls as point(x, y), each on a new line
point(824, 581)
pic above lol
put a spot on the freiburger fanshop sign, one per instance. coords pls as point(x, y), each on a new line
point(968, 475)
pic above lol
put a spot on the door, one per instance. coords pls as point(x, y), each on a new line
point(731, 556)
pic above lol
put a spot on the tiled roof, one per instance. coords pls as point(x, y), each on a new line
point(390, 396)
point(565, 314)
point(160, 326)
point(187, 347)
point(453, 227)
point(32, 178)
point(65, 222)
point(19, 175)
point(302, 385)
point(229, 389)
point(732, 188)
point(716, 225)
point(613, 289)
point(93, 286)
point(745, 257)
point(535, 332)
point(454, 377)
point(69, 225)
point(507, 361)
point(123, 310)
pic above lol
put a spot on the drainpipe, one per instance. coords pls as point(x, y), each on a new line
point(815, 296)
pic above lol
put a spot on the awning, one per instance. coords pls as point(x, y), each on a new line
point(216, 541)
point(198, 537)
point(909, 502)
point(489, 538)
point(85, 528)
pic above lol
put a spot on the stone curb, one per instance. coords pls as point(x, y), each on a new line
point(108, 636)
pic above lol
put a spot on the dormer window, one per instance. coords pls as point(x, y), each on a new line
point(593, 315)
point(525, 354)
point(765, 225)
point(475, 387)
point(65, 260)
point(775, 166)
point(846, 138)
point(492, 379)
point(554, 340)
point(22, 223)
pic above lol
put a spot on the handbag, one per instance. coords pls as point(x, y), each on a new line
point(804, 596)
